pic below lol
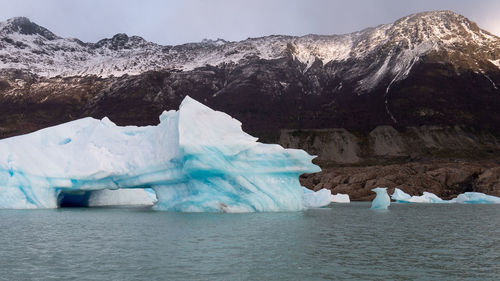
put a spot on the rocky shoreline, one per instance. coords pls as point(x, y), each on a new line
point(443, 160)
point(446, 179)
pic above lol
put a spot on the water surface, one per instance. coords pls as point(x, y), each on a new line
point(344, 241)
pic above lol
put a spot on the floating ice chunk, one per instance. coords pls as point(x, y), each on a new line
point(427, 197)
point(382, 200)
point(340, 198)
point(320, 198)
point(197, 159)
point(402, 197)
point(476, 198)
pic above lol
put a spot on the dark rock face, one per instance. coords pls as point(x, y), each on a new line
point(385, 144)
point(266, 96)
point(384, 88)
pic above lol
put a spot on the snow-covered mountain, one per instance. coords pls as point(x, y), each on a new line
point(25, 45)
point(431, 68)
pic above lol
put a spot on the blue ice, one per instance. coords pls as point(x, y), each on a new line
point(196, 160)
point(382, 200)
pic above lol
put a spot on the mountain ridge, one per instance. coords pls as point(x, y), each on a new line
point(133, 55)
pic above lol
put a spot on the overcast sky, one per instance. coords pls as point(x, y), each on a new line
point(181, 21)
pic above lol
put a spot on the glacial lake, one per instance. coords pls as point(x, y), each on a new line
point(341, 242)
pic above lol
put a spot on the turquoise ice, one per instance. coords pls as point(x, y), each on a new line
point(382, 200)
point(196, 159)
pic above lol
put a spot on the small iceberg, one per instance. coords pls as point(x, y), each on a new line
point(464, 198)
point(400, 196)
point(318, 199)
point(428, 197)
point(340, 198)
point(475, 198)
point(382, 200)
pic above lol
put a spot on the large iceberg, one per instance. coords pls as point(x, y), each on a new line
point(382, 200)
point(196, 159)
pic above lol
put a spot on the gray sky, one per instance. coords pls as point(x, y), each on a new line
point(181, 21)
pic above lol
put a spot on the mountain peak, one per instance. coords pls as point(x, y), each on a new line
point(444, 17)
point(19, 21)
point(446, 27)
point(218, 42)
point(443, 14)
point(23, 25)
point(121, 41)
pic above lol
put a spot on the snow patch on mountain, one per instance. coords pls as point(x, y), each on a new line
point(496, 62)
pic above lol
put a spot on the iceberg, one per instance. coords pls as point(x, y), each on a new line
point(465, 198)
point(400, 196)
point(320, 198)
point(340, 198)
point(382, 200)
point(196, 160)
point(475, 198)
point(428, 197)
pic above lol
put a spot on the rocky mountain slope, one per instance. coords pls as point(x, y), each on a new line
point(427, 70)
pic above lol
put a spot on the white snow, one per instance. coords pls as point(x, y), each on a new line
point(492, 82)
point(496, 62)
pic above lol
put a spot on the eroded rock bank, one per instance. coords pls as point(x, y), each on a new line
point(446, 161)
point(445, 179)
point(387, 145)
